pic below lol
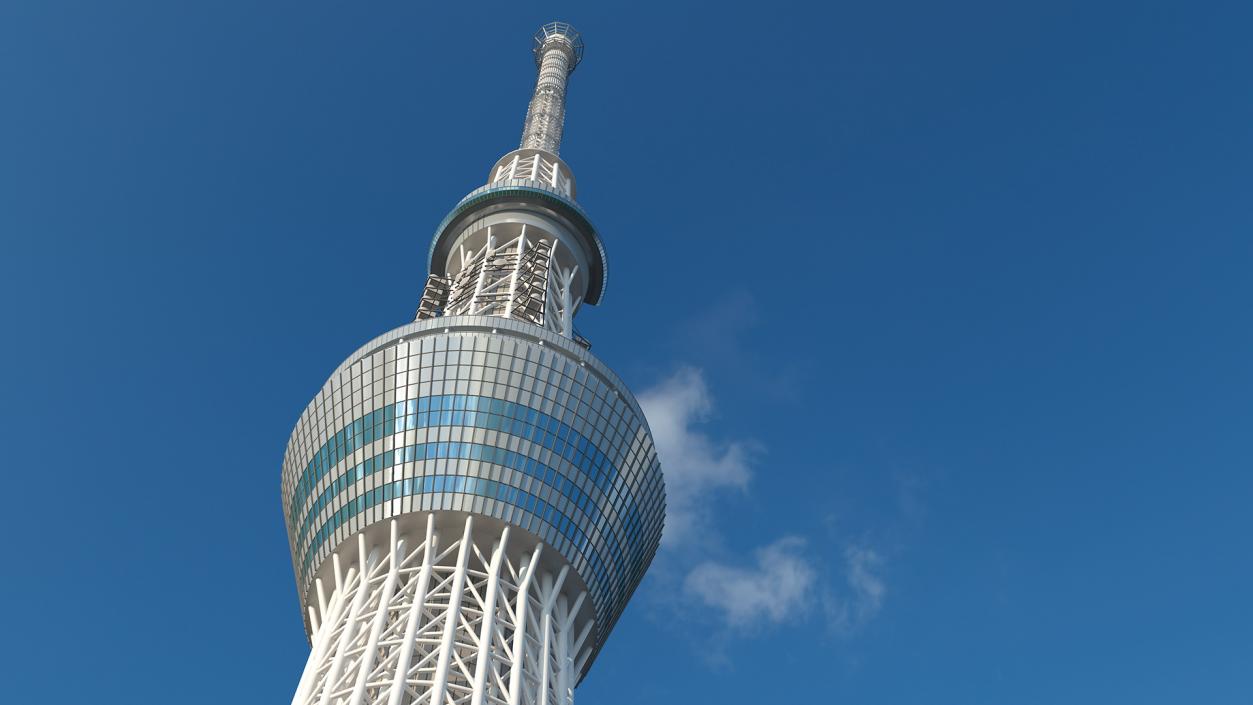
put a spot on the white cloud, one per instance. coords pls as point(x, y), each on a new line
point(775, 590)
point(693, 463)
point(778, 583)
point(866, 585)
point(865, 590)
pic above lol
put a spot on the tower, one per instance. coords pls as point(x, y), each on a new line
point(472, 498)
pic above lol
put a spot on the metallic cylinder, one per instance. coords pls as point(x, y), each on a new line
point(557, 54)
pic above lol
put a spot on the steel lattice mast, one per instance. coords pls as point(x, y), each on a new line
point(472, 498)
point(558, 49)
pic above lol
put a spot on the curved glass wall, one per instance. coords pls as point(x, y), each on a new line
point(508, 421)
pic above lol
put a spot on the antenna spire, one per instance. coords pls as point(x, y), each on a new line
point(558, 50)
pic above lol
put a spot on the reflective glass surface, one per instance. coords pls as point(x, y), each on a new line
point(539, 435)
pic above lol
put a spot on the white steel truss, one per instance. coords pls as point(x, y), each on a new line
point(473, 622)
point(517, 278)
point(534, 167)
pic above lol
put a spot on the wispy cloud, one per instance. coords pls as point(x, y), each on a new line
point(785, 581)
point(777, 583)
point(864, 597)
point(776, 589)
point(694, 464)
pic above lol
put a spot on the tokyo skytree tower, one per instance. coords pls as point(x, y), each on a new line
point(472, 498)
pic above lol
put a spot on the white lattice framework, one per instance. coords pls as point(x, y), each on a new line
point(472, 622)
point(534, 166)
point(514, 277)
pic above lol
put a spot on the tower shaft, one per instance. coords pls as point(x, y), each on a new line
point(472, 497)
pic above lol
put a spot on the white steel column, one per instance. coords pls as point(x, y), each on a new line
point(396, 547)
point(563, 655)
point(415, 613)
point(451, 618)
point(513, 278)
point(484, 661)
point(361, 588)
point(320, 640)
point(487, 255)
point(519, 635)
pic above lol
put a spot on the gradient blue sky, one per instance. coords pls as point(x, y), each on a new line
point(943, 310)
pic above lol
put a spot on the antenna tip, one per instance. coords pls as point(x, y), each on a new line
point(560, 35)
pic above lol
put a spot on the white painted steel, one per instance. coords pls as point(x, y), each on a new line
point(520, 276)
point(535, 165)
point(483, 663)
point(417, 605)
point(520, 635)
point(381, 617)
point(479, 622)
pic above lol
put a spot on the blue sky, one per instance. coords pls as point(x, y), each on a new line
point(940, 311)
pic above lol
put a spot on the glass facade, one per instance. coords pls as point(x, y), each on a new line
point(487, 416)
